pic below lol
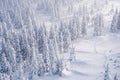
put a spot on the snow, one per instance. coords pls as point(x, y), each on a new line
point(89, 64)
point(92, 53)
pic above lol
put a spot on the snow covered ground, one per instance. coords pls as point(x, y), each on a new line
point(90, 61)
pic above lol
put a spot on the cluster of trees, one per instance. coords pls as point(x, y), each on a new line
point(31, 50)
point(54, 7)
point(28, 49)
point(79, 24)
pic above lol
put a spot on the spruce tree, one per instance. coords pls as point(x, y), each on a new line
point(116, 77)
point(113, 27)
point(83, 27)
point(106, 74)
point(66, 40)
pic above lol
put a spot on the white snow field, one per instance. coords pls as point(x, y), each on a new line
point(90, 62)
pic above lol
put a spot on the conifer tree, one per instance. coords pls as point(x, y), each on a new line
point(83, 27)
point(66, 40)
point(116, 77)
point(106, 74)
point(113, 27)
point(98, 25)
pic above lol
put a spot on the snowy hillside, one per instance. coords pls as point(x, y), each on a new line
point(90, 65)
point(59, 39)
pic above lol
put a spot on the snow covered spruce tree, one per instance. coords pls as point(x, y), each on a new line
point(3, 59)
point(72, 54)
point(66, 39)
point(55, 59)
point(83, 26)
point(106, 74)
point(98, 25)
point(65, 36)
point(60, 40)
point(72, 29)
point(116, 77)
point(114, 23)
point(118, 22)
point(43, 48)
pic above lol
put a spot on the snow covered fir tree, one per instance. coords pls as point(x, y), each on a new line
point(59, 39)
